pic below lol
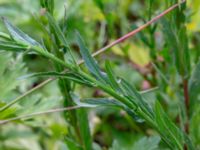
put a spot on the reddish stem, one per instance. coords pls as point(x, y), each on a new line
point(132, 33)
point(187, 103)
point(187, 107)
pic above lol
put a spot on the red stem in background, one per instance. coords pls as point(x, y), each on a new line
point(187, 103)
point(187, 107)
point(132, 33)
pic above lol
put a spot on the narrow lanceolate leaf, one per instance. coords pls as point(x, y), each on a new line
point(194, 87)
point(112, 79)
point(58, 32)
point(84, 129)
point(172, 41)
point(176, 38)
point(160, 73)
point(136, 98)
point(19, 35)
point(81, 115)
point(172, 134)
point(56, 29)
point(107, 102)
point(48, 4)
point(69, 75)
point(89, 60)
point(12, 46)
point(103, 102)
point(4, 36)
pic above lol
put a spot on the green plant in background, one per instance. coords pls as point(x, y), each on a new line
point(58, 45)
point(118, 93)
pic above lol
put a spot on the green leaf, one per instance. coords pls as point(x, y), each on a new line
point(58, 32)
point(150, 143)
point(83, 122)
point(160, 73)
point(95, 102)
point(4, 36)
point(172, 42)
point(194, 87)
point(12, 46)
point(48, 4)
point(37, 103)
point(116, 146)
point(194, 126)
point(18, 35)
point(184, 50)
point(10, 69)
point(71, 144)
point(89, 60)
point(84, 128)
point(69, 75)
point(110, 103)
point(177, 41)
point(111, 78)
point(136, 98)
point(170, 132)
point(100, 4)
point(8, 113)
point(103, 102)
point(144, 143)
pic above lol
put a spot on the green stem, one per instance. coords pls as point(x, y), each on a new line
point(65, 88)
point(120, 98)
point(103, 87)
point(132, 33)
point(53, 57)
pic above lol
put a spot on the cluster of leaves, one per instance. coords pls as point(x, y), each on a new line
point(128, 97)
point(124, 95)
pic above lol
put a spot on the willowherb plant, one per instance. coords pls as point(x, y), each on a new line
point(123, 95)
